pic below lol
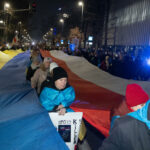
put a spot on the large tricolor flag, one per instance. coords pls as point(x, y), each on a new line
point(24, 123)
point(97, 92)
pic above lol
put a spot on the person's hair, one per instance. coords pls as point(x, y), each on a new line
point(34, 54)
point(42, 67)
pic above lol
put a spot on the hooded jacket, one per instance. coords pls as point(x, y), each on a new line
point(130, 132)
point(51, 97)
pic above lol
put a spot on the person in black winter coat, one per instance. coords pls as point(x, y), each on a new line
point(31, 69)
point(132, 131)
point(48, 80)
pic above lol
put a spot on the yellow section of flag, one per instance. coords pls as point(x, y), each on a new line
point(7, 55)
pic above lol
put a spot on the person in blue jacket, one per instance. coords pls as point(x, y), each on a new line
point(59, 95)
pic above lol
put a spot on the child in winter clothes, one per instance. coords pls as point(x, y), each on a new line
point(59, 95)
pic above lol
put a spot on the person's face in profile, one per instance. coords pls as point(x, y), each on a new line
point(135, 108)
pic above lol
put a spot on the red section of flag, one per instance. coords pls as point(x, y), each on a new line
point(94, 101)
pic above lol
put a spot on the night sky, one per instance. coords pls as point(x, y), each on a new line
point(46, 15)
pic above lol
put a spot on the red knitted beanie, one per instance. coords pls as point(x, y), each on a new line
point(135, 95)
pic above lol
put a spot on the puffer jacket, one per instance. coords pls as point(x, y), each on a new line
point(50, 98)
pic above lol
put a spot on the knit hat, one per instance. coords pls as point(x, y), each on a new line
point(59, 73)
point(52, 66)
point(135, 95)
point(47, 59)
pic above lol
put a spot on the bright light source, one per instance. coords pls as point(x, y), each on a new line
point(51, 29)
point(59, 9)
point(61, 20)
point(33, 43)
point(80, 3)
point(16, 31)
point(1, 21)
point(90, 43)
point(65, 15)
point(6, 5)
point(19, 22)
point(116, 55)
point(90, 38)
point(148, 61)
point(72, 47)
point(62, 41)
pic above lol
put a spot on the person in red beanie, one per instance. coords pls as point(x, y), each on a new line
point(131, 131)
point(134, 99)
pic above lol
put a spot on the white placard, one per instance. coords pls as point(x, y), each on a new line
point(68, 126)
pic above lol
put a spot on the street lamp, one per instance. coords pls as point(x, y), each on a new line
point(1, 22)
point(65, 15)
point(61, 21)
point(33, 43)
point(81, 4)
point(6, 6)
point(6, 12)
point(16, 32)
point(19, 23)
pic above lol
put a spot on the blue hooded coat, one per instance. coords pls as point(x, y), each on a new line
point(51, 97)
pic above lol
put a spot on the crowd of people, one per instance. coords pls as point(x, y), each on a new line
point(50, 79)
point(51, 84)
point(129, 128)
point(126, 62)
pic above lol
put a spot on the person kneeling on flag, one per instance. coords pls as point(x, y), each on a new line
point(59, 95)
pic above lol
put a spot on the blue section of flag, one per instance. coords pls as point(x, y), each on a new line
point(24, 123)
